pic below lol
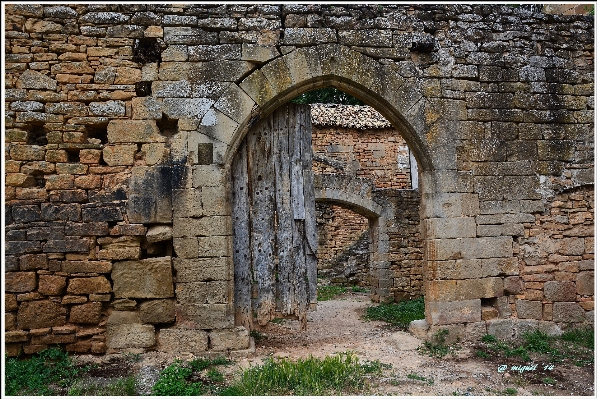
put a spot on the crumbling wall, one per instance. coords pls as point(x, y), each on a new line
point(124, 118)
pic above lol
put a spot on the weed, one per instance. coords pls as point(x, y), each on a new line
point(487, 338)
point(510, 392)
point(132, 357)
point(548, 381)
point(438, 348)
point(332, 375)
point(278, 320)
point(215, 375)
point(482, 354)
point(398, 314)
point(173, 382)
point(584, 337)
point(415, 376)
point(327, 292)
point(33, 376)
point(257, 335)
point(121, 387)
point(358, 289)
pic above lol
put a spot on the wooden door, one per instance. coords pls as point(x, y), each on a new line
point(273, 214)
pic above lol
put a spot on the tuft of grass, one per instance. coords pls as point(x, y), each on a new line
point(258, 336)
point(482, 354)
point(358, 289)
point(33, 376)
point(334, 375)
point(510, 392)
point(438, 348)
point(173, 382)
point(121, 387)
point(398, 314)
point(415, 376)
point(583, 337)
point(548, 381)
point(327, 292)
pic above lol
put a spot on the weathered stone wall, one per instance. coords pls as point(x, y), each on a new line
point(124, 118)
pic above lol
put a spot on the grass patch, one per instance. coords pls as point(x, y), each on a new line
point(179, 379)
point(438, 347)
point(121, 387)
point(575, 345)
point(35, 375)
point(327, 292)
point(398, 314)
point(415, 376)
point(358, 289)
point(334, 375)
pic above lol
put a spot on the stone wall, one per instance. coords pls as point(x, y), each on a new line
point(124, 119)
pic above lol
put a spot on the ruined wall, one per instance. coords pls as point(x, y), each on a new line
point(123, 119)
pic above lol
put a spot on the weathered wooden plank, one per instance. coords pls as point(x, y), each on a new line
point(296, 162)
point(309, 196)
point(241, 239)
point(284, 213)
point(261, 172)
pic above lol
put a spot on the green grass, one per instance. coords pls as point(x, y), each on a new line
point(438, 347)
point(334, 375)
point(415, 376)
point(576, 345)
point(358, 289)
point(398, 314)
point(35, 375)
point(121, 387)
point(327, 292)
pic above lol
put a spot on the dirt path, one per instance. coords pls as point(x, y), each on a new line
point(337, 326)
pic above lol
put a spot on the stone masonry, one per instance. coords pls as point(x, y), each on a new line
point(122, 120)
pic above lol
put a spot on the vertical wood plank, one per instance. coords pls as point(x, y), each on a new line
point(241, 239)
point(309, 196)
point(261, 173)
point(298, 200)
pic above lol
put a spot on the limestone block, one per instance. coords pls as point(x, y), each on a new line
point(33, 262)
point(219, 70)
point(86, 266)
point(529, 309)
point(175, 52)
point(27, 153)
point(202, 269)
point(455, 290)
point(134, 131)
point(188, 35)
point(447, 205)
point(568, 312)
point(148, 278)
point(208, 176)
point(149, 72)
point(225, 340)
point(258, 53)
point(186, 248)
point(278, 75)
point(549, 328)
point(187, 203)
point(20, 281)
point(130, 336)
point(35, 80)
point(88, 313)
point(560, 291)
point(218, 126)
point(204, 226)
point(177, 108)
point(122, 154)
point(204, 316)
point(89, 285)
point(202, 292)
point(571, 246)
point(445, 312)
point(158, 311)
point(507, 329)
point(450, 228)
point(39, 314)
point(16, 336)
point(585, 283)
point(235, 104)
point(215, 52)
point(419, 328)
point(512, 285)
point(70, 299)
point(308, 36)
point(171, 89)
point(158, 233)
point(258, 87)
point(51, 285)
point(175, 340)
point(469, 248)
point(124, 317)
point(10, 302)
point(298, 66)
point(174, 70)
point(488, 313)
point(146, 108)
point(155, 153)
point(455, 332)
point(124, 304)
point(214, 246)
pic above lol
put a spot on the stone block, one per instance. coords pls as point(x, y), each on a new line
point(469, 248)
point(205, 226)
point(214, 246)
point(130, 336)
point(571, 246)
point(488, 313)
point(88, 313)
point(208, 176)
point(235, 104)
point(178, 108)
point(568, 312)
point(202, 292)
point(146, 108)
point(27, 153)
point(89, 285)
point(10, 302)
point(40, 314)
point(20, 281)
point(124, 304)
point(134, 131)
point(549, 328)
point(585, 283)
point(175, 340)
point(16, 336)
point(67, 245)
point(158, 233)
point(560, 291)
point(258, 53)
point(202, 269)
point(158, 311)
point(51, 285)
point(448, 312)
point(508, 329)
point(225, 340)
point(148, 278)
point(512, 285)
point(204, 316)
point(117, 318)
point(186, 248)
point(450, 227)
point(529, 309)
point(458, 290)
point(35, 80)
point(123, 154)
point(419, 328)
point(455, 333)
point(33, 262)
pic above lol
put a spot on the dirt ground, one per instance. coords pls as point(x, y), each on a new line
point(337, 326)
